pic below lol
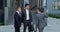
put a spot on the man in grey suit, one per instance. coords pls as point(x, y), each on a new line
point(40, 23)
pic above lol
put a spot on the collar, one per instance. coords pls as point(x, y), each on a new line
point(17, 12)
point(26, 9)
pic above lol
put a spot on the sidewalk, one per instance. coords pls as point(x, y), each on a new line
point(53, 26)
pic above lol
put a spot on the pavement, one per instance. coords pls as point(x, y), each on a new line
point(53, 25)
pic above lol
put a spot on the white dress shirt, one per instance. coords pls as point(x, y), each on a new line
point(17, 12)
point(27, 15)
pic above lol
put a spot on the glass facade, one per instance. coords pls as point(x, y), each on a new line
point(45, 3)
point(56, 5)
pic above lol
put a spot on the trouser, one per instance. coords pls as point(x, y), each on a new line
point(39, 28)
point(27, 23)
point(17, 29)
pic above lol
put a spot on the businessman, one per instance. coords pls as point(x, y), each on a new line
point(27, 18)
point(18, 19)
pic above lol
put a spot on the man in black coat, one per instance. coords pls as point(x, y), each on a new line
point(17, 18)
point(27, 18)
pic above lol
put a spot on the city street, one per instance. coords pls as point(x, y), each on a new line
point(53, 26)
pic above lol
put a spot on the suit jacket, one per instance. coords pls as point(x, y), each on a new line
point(41, 20)
point(17, 19)
point(24, 15)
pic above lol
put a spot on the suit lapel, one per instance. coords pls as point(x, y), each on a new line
point(25, 12)
point(17, 14)
point(29, 13)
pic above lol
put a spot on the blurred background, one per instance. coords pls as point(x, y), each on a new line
point(8, 8)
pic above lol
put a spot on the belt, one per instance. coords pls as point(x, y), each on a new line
point(27, 20)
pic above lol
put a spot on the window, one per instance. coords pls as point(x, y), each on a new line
point(56, 5)
point(45, 3)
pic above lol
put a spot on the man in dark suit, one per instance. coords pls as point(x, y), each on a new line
point(27, 18)
point(17, 18)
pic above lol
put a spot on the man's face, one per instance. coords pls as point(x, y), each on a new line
point(37, 10)
point(28, 7)
point(19, 9)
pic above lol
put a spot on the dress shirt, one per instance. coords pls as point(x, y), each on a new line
point(27, 15)
point(17, 12)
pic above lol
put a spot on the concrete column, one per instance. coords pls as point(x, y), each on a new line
point(9, 12)
point(6, 16)
point(6, 12)
point(40, 3)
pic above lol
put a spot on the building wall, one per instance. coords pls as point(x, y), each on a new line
point(32, 3)
point(9, 12)
point(50, 7)
point(11, 7)
point(1, 11)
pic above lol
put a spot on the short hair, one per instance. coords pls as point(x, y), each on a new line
point(39, 9)
point(18, 7)
point(26, 5)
